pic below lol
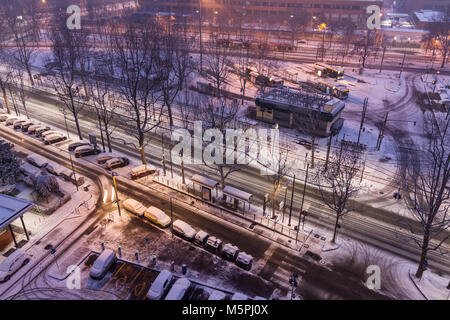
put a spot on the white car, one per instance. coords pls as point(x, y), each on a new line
point(54, 138)
point(157, 216)
point(13, 263)
point(183, 230)
point(230, 252)
point(102, 264)
point(178, 289)
point(18, 123)
point(11, 120)
point(201, 237)
point(217, 295)
point(244, 260)
point(160, 285)
point(4, 117)
point(134, 207)
point(239, 296)
point(47, 133)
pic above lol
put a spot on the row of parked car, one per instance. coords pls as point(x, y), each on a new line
point(185, 231)
point(45, 133)
point(164, 285)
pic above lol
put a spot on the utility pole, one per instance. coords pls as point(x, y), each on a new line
point(403, 63)
point(171, 214)
point(101, 129)
point(381, 135)
point(114, 175)
point(303, 201)
point(363, 116)
point(328, 152)
point(292, 199)
point(285, 198)
point(163, 154)
point(73, 170)
point(382, 59)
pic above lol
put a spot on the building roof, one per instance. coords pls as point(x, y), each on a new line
point(237, 194)
point(427, 15)
point(203, 181)
point(11, 208)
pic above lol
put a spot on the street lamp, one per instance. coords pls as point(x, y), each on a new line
point(171, 213)
point(114, 175)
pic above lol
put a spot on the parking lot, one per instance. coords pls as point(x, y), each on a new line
point(129, 281)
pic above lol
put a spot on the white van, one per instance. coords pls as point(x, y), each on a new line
point(160, 285)
point(13, 263)
point(37, 161)
point(134, 207)
point(178, 289)
point(157, 216)
point(142, 171)
point(217, 295)
point(102, 264)
point(183, 230)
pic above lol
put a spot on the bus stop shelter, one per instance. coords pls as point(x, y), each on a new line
point(206, 187)
point(12, 208)
point(237, 196)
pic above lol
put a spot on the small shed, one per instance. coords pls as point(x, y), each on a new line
point(206, 186)
point(237, 195)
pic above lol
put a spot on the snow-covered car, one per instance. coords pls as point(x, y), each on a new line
point(84, 151)
point(56, 169)
point(213, 244)
point(24, 126)
point(10, 121)
point(178, 289)
point(54, 138)
point(13, 263)
point(183, 230)
point(201, 237)
point(229, 252)
point(115, 163)
point(244, 260)
point(239, 296)
point(102, 264)
point(142, 171)
point(5, 116)
point(135, 207)
point(47, 133)
point(37, 160)
point(18, 123)
point(32, 129)
point(102, 158)
point(160, 285)
point(75, 145)
point(157, 216)
point(39, 131)
point(217, 295)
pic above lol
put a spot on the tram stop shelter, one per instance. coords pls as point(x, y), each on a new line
point(12, 208)
point(207, 186)
point(237, 196)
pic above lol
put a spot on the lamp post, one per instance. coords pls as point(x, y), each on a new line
point(286, 185)
point(114, 175)
point(171, 214)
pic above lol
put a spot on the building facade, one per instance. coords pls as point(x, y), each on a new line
point(261, 11)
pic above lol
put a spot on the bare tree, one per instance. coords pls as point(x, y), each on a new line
point(278, 170)
point(217, 61)
point(426, 181)
point(364, 47)
point(339, 182)
point(136, 54)
point(439, 31)
point(17, 80)
point(297, 23)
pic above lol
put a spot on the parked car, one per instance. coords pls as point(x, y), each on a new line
point(75, 145)
point(102, 264)
point(102, 158)
point(47, 133)
point(84, 151)
point(217, 295)
point(239, 296)
point(178, 289)
point(134, 207)
point(115, 163)
point(229, 252)
point(26, 125)
point(183, 230)
point(37, 161)
point(157, 216)
point(201, 237)
point(32, 129)
point(39, 131)
point(13, 263)
point(54, 138)
point(56, 169)
point(142, 171)
point(213, 244)
point(5, 116)
point(10, 120)
point(244, 260)
point(18, 123)
point(160, 285)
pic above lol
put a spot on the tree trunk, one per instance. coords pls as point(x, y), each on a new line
point(313, 149)
point(274, 200)
point(335, 228)
point(6, 101)
point(141, 148)
point(77, 123)
point(29, 75)
point(423, 256)
point(444, 59)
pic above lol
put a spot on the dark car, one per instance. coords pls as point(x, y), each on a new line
point(84, 151)
point(117, 163)
point(75, 145)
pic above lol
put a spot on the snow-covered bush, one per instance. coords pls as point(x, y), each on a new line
point(9, 164)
